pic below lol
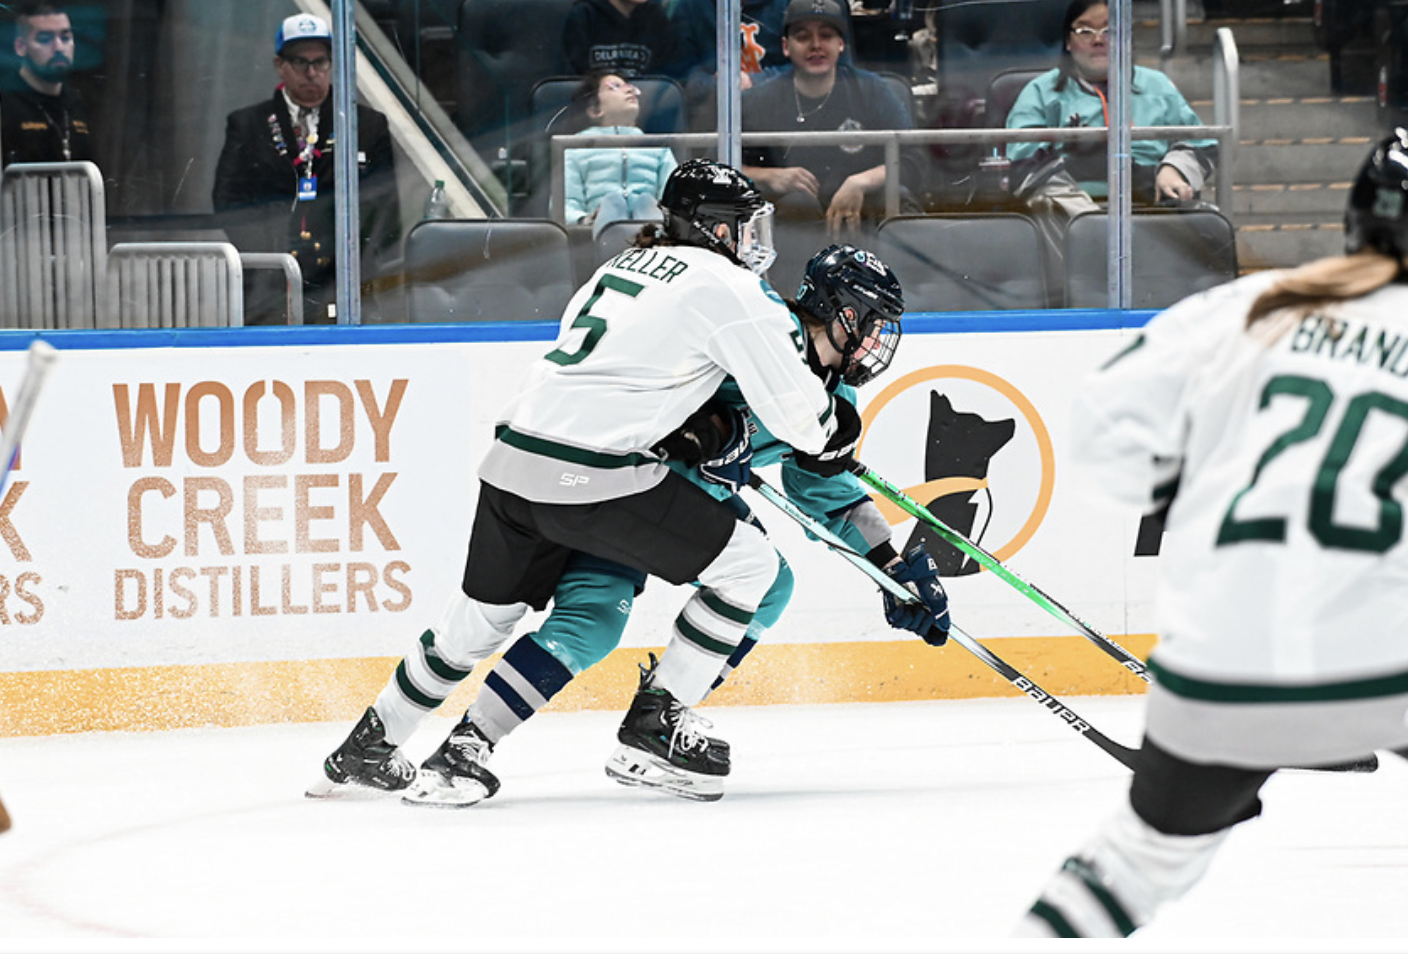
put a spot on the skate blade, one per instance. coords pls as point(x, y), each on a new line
point(635, 768)
point(431, 790)
point(323, 787)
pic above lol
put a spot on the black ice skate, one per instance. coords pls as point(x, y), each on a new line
point(663, 747)
point(365, 760)
point(456, 774)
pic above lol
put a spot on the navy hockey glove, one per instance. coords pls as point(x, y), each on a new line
point(918, 572)
point(839, 453)
point(734, 463)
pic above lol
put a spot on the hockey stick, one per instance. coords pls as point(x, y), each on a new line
point(1122, 754)
point(40, 362)
point(1127, 659)
point(915, 509)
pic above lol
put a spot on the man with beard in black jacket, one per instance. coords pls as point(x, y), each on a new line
point(43, 118)
point(274, 181)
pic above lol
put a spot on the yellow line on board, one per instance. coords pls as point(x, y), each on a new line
point(252, 693)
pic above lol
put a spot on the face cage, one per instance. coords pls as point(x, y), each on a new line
point(866, 355)
point(755, 248)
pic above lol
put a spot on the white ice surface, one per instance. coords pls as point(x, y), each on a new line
point(879, 827)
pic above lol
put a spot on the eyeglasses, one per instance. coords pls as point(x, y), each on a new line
point(321, 65)
point(1089, 33)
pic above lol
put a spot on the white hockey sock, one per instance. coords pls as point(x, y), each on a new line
point(444, 655)
point(1120, 879)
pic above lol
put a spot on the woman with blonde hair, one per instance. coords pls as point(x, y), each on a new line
point(1270, 416)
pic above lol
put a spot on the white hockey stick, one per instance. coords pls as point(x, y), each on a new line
point(42, 357)
point(41, 361)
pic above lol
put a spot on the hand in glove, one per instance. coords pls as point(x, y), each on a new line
point(918, 572)
point(839, 453)
point(734, 462)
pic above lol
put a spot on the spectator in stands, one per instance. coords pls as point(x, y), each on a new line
point(627, 37)
point(274, 181)
point(696, 27)
point(610, 184)
point(842, 184)
point(42, 118)
point(1075, 93)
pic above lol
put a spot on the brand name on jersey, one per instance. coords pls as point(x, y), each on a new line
point(574, 480)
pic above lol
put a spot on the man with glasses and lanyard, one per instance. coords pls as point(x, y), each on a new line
point(274, 182)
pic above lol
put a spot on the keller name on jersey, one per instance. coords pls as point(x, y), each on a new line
point(650, 262)
point(1338, 340)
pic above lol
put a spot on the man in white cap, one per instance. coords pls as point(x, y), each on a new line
point(274, 182)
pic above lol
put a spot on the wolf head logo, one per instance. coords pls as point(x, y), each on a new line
point(958, 444)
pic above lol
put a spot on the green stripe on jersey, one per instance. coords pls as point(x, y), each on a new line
point(1191, 688)
point(572, 455)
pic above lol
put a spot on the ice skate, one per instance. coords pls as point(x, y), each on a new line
point(364, 760)
point(456, 774)
point(663, 746)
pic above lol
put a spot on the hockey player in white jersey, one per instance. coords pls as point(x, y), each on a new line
point(1273, 412)
point(848, 308)
point(576, 467)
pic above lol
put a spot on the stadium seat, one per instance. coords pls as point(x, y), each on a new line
point(487, 270)
point(1003, 90)
point(981, 262)
point(1173, 252)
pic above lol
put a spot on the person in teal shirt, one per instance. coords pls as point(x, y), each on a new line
point(1076, 93)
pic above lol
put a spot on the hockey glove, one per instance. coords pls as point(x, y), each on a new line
point(698, 439)
point(734, 463)
point(929, 617)
point(839, 453)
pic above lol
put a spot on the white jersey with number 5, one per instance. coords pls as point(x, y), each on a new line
point(1283, 603)
point(644, 344)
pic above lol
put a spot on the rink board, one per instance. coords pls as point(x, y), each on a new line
point(229, 527)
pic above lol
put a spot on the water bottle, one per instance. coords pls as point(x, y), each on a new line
point(437, 204)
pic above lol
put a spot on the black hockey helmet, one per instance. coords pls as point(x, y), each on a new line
point(1377, 214)
point(860, 301)
point(715, 206)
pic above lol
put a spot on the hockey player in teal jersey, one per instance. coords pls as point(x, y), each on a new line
point(848, 310)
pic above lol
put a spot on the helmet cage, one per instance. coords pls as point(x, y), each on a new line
point(859, 301)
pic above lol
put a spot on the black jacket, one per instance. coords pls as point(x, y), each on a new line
point(32, 124)
point(256, 190)
point(596, 37)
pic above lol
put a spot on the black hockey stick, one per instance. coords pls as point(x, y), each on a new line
point(1125, 658)
point(917, 510)
point(1122, 754)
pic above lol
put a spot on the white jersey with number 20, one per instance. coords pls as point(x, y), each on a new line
point(1283, 570)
